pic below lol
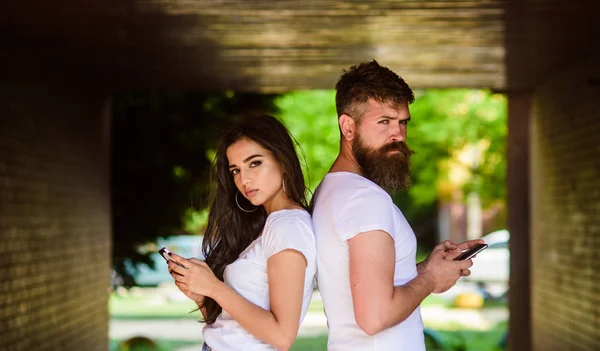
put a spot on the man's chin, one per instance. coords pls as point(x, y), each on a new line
point(396, 188)
point(393, 184)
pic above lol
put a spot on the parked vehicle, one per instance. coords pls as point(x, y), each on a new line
point(491, 266)
point(184, 245)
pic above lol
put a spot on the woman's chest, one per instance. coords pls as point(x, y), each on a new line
point(248, 275)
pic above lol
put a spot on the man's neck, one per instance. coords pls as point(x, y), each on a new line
point(345, 162)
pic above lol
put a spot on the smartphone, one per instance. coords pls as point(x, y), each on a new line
point(468, 254)
point(164, 252)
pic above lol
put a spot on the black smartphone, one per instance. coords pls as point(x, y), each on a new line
point(471, 252)
point(164, 252)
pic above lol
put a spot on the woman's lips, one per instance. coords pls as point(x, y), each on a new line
point(250, 193)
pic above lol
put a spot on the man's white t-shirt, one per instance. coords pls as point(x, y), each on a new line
point(345, 205)
point(284, 229)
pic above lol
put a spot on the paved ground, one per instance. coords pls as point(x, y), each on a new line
point(314, 324)
point(190, 330)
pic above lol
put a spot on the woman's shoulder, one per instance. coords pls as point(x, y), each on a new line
point(289, 229)
point(291, 216)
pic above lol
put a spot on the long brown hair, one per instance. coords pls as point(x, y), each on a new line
point(230, 230)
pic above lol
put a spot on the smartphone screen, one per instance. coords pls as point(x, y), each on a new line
point(471, 252)
point(164, 252)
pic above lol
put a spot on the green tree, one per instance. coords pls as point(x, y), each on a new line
point(163, 145)
point(311, 118)
point(444, 122)
point(161, 158)
point(449, 124)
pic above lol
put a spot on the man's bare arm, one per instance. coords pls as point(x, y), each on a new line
point(378, 304)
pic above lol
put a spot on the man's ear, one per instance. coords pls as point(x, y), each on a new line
point(347, 126)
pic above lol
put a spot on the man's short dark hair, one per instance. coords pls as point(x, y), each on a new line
point(369, 80)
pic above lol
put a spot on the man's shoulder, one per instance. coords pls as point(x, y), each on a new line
point(345, 187)
point(347, 181)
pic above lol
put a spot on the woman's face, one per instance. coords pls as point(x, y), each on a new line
point(255, 171)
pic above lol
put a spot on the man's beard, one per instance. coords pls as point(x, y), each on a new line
point(389, 171)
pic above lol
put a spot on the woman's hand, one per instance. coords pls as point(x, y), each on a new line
point(196, 279)
point(183, 288)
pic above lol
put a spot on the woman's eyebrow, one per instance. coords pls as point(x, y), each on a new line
point(246, 160)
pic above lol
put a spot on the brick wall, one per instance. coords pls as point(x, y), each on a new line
point(54, 216)
point(565, 237)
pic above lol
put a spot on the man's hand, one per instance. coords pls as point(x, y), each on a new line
point(440, 269)
point(452, 251)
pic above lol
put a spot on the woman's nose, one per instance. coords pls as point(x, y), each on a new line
point(245, 178)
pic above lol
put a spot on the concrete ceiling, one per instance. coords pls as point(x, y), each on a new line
point(268, 46)
point(546, 36)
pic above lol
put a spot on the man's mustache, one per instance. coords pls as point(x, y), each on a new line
point(399, 146)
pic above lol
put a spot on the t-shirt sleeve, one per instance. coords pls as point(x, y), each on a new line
point(365, 210)
point(289, 233)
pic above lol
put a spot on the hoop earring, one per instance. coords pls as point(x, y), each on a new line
point(283, 185)
point(240, 207)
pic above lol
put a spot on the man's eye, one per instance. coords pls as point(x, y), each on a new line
point(405, 122)
point(384, 121)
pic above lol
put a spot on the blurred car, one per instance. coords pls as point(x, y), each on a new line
point(491, 266)
point(184, 245)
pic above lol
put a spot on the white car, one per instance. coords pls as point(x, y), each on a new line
point(144, 275)
point(491, 266)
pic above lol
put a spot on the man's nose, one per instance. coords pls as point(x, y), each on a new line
point(398, 134)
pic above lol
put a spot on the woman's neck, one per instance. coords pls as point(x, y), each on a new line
point(280, 202)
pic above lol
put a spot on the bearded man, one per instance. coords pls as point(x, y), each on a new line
point(367, 273)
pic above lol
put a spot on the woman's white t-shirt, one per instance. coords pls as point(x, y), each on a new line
point(284, 229)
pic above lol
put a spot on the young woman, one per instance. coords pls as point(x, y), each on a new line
point(256, 282)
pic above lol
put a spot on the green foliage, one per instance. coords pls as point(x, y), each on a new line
point(163, 145)
point(444, 122)
point(148, 345)
point(448, 121)
point(160, 163)
point(475, 340)
point(311, 118)
point(310, 343)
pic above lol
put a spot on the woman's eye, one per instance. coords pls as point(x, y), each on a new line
point(235, 171)
point(255, 163)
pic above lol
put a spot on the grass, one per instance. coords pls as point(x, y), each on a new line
point(151, 304)
point(435, 300)
point(459, 340)
point(159, 345)
point(463, 340)
point(472, 340)
point(146, 306)
point(314, 343)
point(302, 344)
